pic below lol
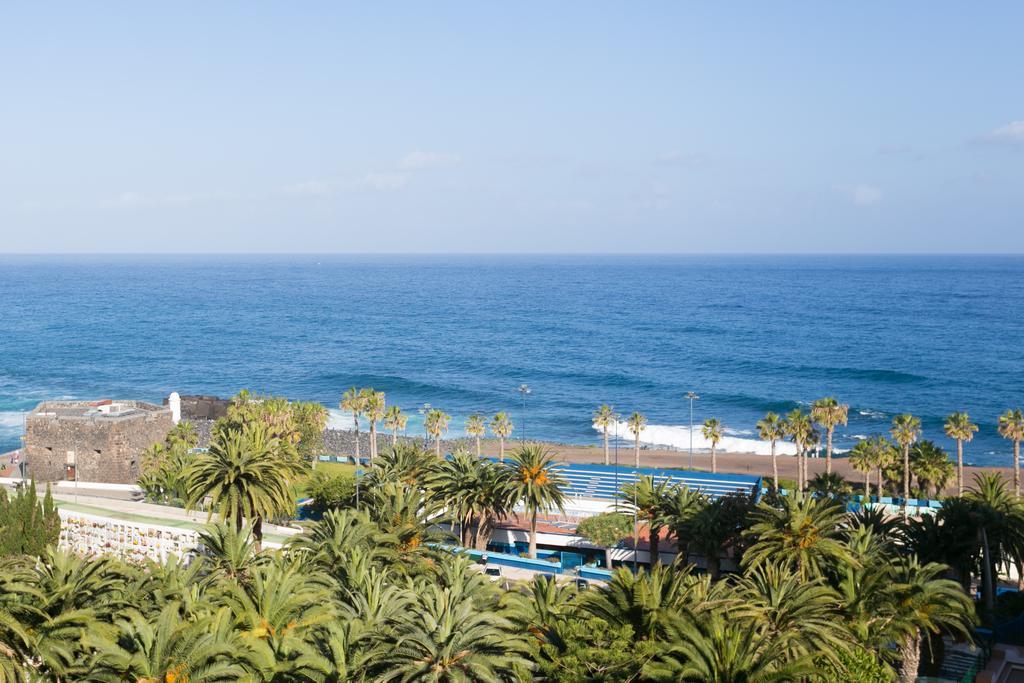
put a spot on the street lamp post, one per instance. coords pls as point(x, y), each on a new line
point(693, 397)
point(636, 529)
point(523, 391)
point(616, 418)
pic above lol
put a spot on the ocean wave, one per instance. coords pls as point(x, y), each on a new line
point(342, 419)
point(679, 437)
point(12, 419)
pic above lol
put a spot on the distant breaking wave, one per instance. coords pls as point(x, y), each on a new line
point(679, 437)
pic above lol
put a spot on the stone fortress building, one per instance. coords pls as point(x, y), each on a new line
point(94, 441)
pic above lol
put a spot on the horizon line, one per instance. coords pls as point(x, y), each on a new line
point(620, 254)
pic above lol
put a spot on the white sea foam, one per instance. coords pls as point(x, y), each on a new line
point(12, 419)
point(342, 419)
point(339, 419)
point(679, 437)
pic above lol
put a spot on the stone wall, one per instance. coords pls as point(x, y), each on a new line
point(194, 408)
point(103, 449)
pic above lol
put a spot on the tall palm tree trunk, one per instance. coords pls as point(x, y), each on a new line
point(714, 460)
point(501, 449)
point(881, 490)
point(828, 451)
point(959, 467)
point(394, 437)
point(1016, 468)
point(478, 446)
point(482, 534)
point(373, 440)
point(533, 535)
point(910, 653)
point(257, 534)
point(988, 569)
point(357, 439)
point(799, 467)
point(867, 485)
point(437, 445)
point(775, 468)
point(906, 475)
point(636, 451)
point(607, 458)
point(607, 558)
point(654, 543)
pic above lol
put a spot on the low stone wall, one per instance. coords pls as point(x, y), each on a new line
point(93, 535)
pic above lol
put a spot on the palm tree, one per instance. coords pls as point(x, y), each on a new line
point(923, 601)
point(828, 412)
point(905, 430)
point(647, 601)
point(771, 428)
point(247, 475)
point(883, 457)
point(169, 649)
point(375, 407)
point(960, 428)
point(232, 552)
point(721, 649)
point(395, 420)
point(635, 424)
point(932, 467)
point(284, 603)
point(476, 426)
point(799, 428)
point(714, 528)
point(713, 430)
point(804, 534)
point(998, 517)
point(604, 417)
point(538, 484)
point(501, 427)
point(491, 496)
point(354, 401)
point(1011, 426)
point(862, 460)
point(650, 500)
point(801, 614)
point(448, 637)
point(436, 425)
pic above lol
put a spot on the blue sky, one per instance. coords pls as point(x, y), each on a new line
point(522, 127)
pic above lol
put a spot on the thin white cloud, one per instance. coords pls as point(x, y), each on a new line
point(379, 181)
point(1010, 134)
point(386, 180)
point(415, 161)
point(138, 200)
point(861, 194)
point(392, 179)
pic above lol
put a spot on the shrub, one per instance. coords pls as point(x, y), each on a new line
point(27, 525)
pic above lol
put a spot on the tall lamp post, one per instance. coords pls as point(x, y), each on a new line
point(693, 397)
point(616, 418)
point(523, 391)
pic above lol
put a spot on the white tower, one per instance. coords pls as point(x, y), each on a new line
point(174, 402)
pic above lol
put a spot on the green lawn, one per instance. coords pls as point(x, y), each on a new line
point(331, 468)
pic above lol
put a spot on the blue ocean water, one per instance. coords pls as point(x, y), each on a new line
point(885, 334)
